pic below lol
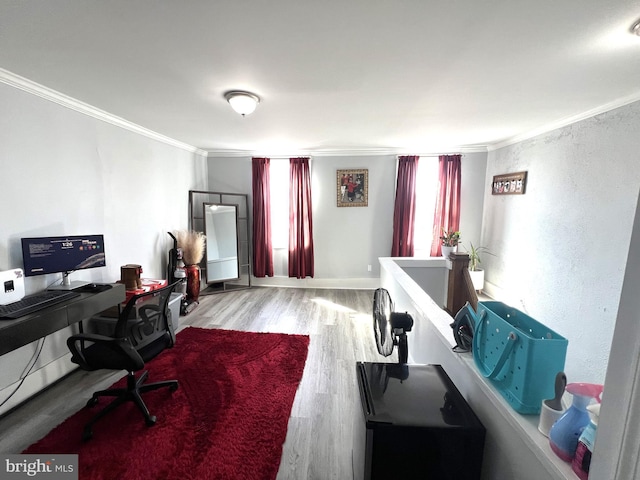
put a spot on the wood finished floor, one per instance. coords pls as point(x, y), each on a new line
point(320, 432)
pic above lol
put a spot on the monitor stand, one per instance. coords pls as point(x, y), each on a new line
point(71, 285)
point(68, 284)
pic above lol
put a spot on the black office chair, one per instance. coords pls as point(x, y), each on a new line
point(142, 331)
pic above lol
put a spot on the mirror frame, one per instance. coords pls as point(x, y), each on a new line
point(206, 207)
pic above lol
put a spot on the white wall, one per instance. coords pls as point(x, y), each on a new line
point(473, 185)
point(618, 438)
point(348, 239)
point(561, 248)
point(63, 172)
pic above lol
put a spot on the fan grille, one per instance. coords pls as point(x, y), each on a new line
point(382, 309)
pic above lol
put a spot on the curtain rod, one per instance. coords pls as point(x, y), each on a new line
point(432, 155)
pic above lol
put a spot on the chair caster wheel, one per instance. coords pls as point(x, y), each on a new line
point(173, 388)
point(93, 401)
point(150, 421)
point(87, 434)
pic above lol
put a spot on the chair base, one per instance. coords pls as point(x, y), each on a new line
point(135, 387)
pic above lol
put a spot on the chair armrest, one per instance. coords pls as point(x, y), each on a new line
point(92, 337)
point(82, 355)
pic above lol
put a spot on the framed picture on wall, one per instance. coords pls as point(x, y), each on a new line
point(509, 184)
point(352, 188)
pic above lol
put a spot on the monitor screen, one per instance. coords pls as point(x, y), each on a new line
point(45, 255)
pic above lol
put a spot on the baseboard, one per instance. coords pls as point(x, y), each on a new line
point(492, 290)
point(333, 283)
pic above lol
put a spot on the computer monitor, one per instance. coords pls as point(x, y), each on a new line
point(45, 255)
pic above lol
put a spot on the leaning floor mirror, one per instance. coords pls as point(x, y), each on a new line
point(221, 230)
point(224, 219)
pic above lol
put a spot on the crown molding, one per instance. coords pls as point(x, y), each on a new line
point(621, 102)
point(345, 152)
point(61, 99)
point(351, 152)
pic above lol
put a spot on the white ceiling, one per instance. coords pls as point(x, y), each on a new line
point(411, 76)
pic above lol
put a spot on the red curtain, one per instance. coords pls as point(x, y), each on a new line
point(447, 213)
point(405, 207)
point(300, 223)
point(262, 251)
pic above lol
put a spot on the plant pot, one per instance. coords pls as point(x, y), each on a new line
point(446, 251)
point(193, 282)
point(477, 278)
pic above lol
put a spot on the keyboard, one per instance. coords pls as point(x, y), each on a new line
point(35, 302)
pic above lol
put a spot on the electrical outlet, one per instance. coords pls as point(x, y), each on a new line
point(368, 268)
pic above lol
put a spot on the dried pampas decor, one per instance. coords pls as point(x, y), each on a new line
point(192, 245)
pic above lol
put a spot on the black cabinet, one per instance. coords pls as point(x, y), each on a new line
point(412, 422)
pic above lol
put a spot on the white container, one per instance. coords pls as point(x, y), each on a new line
point(548, 416)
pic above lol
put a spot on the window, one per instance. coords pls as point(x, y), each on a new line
point(426, 191)
point(279, 189)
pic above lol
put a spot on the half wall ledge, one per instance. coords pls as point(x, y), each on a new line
point(514, 447)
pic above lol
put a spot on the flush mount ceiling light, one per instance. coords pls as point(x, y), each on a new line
point(636, 28)
point(242, 102)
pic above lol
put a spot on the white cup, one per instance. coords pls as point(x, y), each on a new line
point(548, 416)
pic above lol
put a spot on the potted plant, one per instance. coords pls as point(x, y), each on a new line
point(449, 241)
point(476, 273)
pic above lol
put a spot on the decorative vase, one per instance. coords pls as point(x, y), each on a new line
point(193, 282)
point(446, 250)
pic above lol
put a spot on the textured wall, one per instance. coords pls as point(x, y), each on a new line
point(561, 248)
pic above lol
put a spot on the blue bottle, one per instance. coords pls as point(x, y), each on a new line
point(564, 434)
point(582, 461)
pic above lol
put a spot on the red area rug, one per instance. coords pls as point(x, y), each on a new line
point(227, 420)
